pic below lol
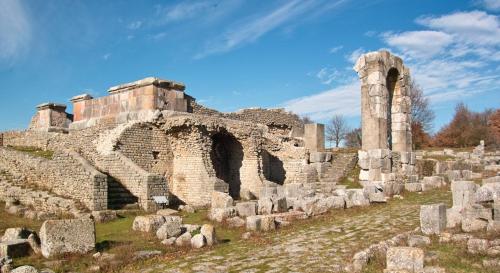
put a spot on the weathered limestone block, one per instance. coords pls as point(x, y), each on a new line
point(477, 211)
point(357, 197)
point(67, 236)
point(253, 223)
point(268, 191)
point(463, 193)
point(488, 192)
point(363, 160)
point(221, 214)
point(208, 231)
point(293, 190)
point(198, 241)
point(11, 234)
point(235, 222)
point(418, 241)
point(453, 218)
point(169, 229)
point(265, 205)
point(493, 227)
point(319, 157)
point(267, 223)
point(473, 224)
point(433, 218)
point(496, 211)
point(15, 248)
point(24, 269)
point(405, 258)
point(246, 209)
point(148, 223)
point(413, 187)
point(477, 246)
point(183, 240)
point(103, 216)
point(279, 204)
point(377, 197)
point(432, 182)
point(221, 200)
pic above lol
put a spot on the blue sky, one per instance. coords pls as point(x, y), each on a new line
point(234, 54)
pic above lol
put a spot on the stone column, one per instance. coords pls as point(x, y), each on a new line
point(314, 137)
point(79, 106)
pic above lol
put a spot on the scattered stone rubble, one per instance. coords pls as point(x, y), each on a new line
point(170, 231)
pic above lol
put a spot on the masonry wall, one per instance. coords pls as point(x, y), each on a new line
point(66, 174)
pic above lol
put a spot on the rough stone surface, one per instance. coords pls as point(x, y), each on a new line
point(25, 269)
point(221, 200)
point(198, 241)
point(433, 218)
point(246, 209)
point(405, 258)
point(208, 231)
point(169, 229)
point(184, 239)
point(67, 236)
point(148, 223)
point(477, 246)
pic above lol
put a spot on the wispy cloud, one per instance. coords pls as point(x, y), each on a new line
point(335, 49)
point(354, 55)
point(204, 11)
point(134, 25)
point(15, 30)
point(252, 28)
point(417, 44)
point(344, 99)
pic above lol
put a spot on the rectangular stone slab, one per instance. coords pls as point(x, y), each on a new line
point(67, 236)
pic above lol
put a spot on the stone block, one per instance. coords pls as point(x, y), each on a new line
point(317, 157)
point(432, 218)
point(246, 209)
point(413, 187)
point(493, 227)
point(432, 182)
point(453, 218)
point(279, 204)
point(473, 225)
point(357, 197)
point(267, 223)
point(477, 246)
point(103, 216)
point(293, 190)
point(169, 229)
point(463, 193)
point(148, 223)
point(488, 193)
point(265, 206)
point(364, 175)
point(235, 222)
point(418, 241)
point(24, 269)
point(198, 241)
point(67, 236)
point(184, 239)
point(363, 160)
point(208, 231)
point(221, 214)
point(377, 197)
point(478, 211)
point(221, 200)
point(496, 211)
point(253, 223)
point(405, 258)
point(11, 234)
point(15, 248)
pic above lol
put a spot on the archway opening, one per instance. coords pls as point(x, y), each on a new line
point(273, 168)
point(227, 158)
point(393, 85)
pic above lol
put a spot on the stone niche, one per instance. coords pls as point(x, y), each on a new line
point(385, 114)
point(51, 117)
point(137, 100)
point(314, 137)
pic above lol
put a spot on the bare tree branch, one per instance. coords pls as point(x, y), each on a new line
point(336, 129)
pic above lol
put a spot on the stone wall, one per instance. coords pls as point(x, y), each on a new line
point(278, 121)
point(66, 174)
point(131, 101)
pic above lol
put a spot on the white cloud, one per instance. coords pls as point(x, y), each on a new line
point(493, 5)
point(419, 44)
point(251, 29)
point(15, 30)
point(203, 11)
point(354, 55)
point(344, 99)
point(474, 27)
point(335, 49)
point(134, 25)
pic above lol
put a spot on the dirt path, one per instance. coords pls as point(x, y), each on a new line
point(320, 247)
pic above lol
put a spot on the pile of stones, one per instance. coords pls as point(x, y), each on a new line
point(170, 230)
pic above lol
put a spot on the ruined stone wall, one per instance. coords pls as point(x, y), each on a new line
point(66, 174)
point(278, 121)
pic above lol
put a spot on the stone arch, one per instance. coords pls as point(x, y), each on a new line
point(393, 90)
point(226, 155)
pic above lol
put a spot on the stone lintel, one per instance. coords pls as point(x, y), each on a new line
point(81, 97)
point(51, 105)
point(145, 82)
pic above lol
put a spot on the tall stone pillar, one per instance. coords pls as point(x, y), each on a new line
point(314, 137)
point(385, 113)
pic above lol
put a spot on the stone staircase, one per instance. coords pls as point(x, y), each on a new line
point(340, 166)
point(118, 196)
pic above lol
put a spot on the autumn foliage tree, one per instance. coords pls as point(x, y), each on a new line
point(422, 117)
point(466, 129)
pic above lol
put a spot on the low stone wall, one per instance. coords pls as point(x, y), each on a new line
point(67, 174)
point(27, 138)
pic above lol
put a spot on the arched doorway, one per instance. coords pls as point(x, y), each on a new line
point(393, 90)
point(227, 158)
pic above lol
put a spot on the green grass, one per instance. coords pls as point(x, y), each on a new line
point(8, 221)
point(34, 151)
point(351, 180)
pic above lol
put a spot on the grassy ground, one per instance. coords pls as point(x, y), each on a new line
point(33, 151)
point(351, 180)
point(453, 257)
point(118, 238)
